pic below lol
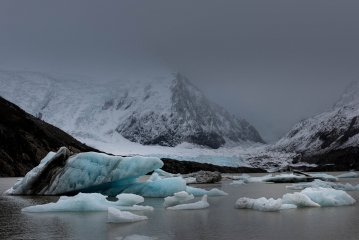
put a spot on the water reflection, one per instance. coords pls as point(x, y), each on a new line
point(219, 221)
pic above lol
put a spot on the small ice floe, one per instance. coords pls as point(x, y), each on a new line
point(190, 180)
point(90, 202)
point(324, 184)
point(248, 179)
point(299, 200)
point(178, 198)
point(348, 175)
point(197, 205)
point(324, 177)
point(237, 182)
point(261, 204)
point(198, 192)
point(117, 216)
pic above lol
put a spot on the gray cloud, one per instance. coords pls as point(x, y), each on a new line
point(271, 62)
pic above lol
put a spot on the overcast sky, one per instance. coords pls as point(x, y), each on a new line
point(271, 62)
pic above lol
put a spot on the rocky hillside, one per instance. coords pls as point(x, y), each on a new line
point(331, 137)
point(25, 140)
point(164, 111)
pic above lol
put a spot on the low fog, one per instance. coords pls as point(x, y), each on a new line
point(273, 63)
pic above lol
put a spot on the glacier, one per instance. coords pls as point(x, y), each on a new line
point(89, 202)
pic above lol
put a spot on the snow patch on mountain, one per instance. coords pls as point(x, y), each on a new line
point(164, 111)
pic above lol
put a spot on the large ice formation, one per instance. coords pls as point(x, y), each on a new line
point(197, 205)
point(117, 216)
point(178, 198)
point(324, 177)
point(90, 202)
point(62, 173)
point(348, 175)
point(262, 204)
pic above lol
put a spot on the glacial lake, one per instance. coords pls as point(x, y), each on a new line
point(220, 221)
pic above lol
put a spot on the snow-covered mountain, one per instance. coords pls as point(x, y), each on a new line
point(330, 137)
point(164, 111)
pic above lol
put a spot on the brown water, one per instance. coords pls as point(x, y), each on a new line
point(220, 221)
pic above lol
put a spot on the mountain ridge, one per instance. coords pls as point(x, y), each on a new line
point(162, 111)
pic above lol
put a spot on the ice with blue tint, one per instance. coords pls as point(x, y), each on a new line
point(327, 197)
point(191, 206)
point(198, 192)
point(348, 175)
point(324, 176)
point(248, 179)
point(299, 200)
point(165, 174)
point(89, 202)
point(87, 172)
point(159, 188)
point(324, 184)
point(154, 177)
point(178, 198)
point(286, 206)
point(261, 204)
point(115, 215)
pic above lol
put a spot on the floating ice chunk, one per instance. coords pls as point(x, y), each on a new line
point(84, 172)
point(348, 175)
point(237, 182)
point(117, 216)
point(287, 178)
point(197, 205)
point(87, 202)
point(261, 204)
point(245, 178)
point(327, 197)
point(286, 206)
point(178, 198)
point(165, 174)
point(190, 180)
point(159, 188)
point(129, 199)
point(260, 179)
point(298, 199)
point(154, 177)
point(324, 176)
point(198, 192)
point(324, 184)
point(136, 237)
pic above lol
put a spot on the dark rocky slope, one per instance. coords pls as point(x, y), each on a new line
point(25, 140)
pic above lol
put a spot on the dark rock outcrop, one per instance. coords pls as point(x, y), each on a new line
point(25, 140)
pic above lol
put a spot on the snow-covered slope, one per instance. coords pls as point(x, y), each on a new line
point(163, 111)
point(335, 130)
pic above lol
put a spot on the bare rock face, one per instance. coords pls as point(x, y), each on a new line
point(25, 140)
point(206, 176)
